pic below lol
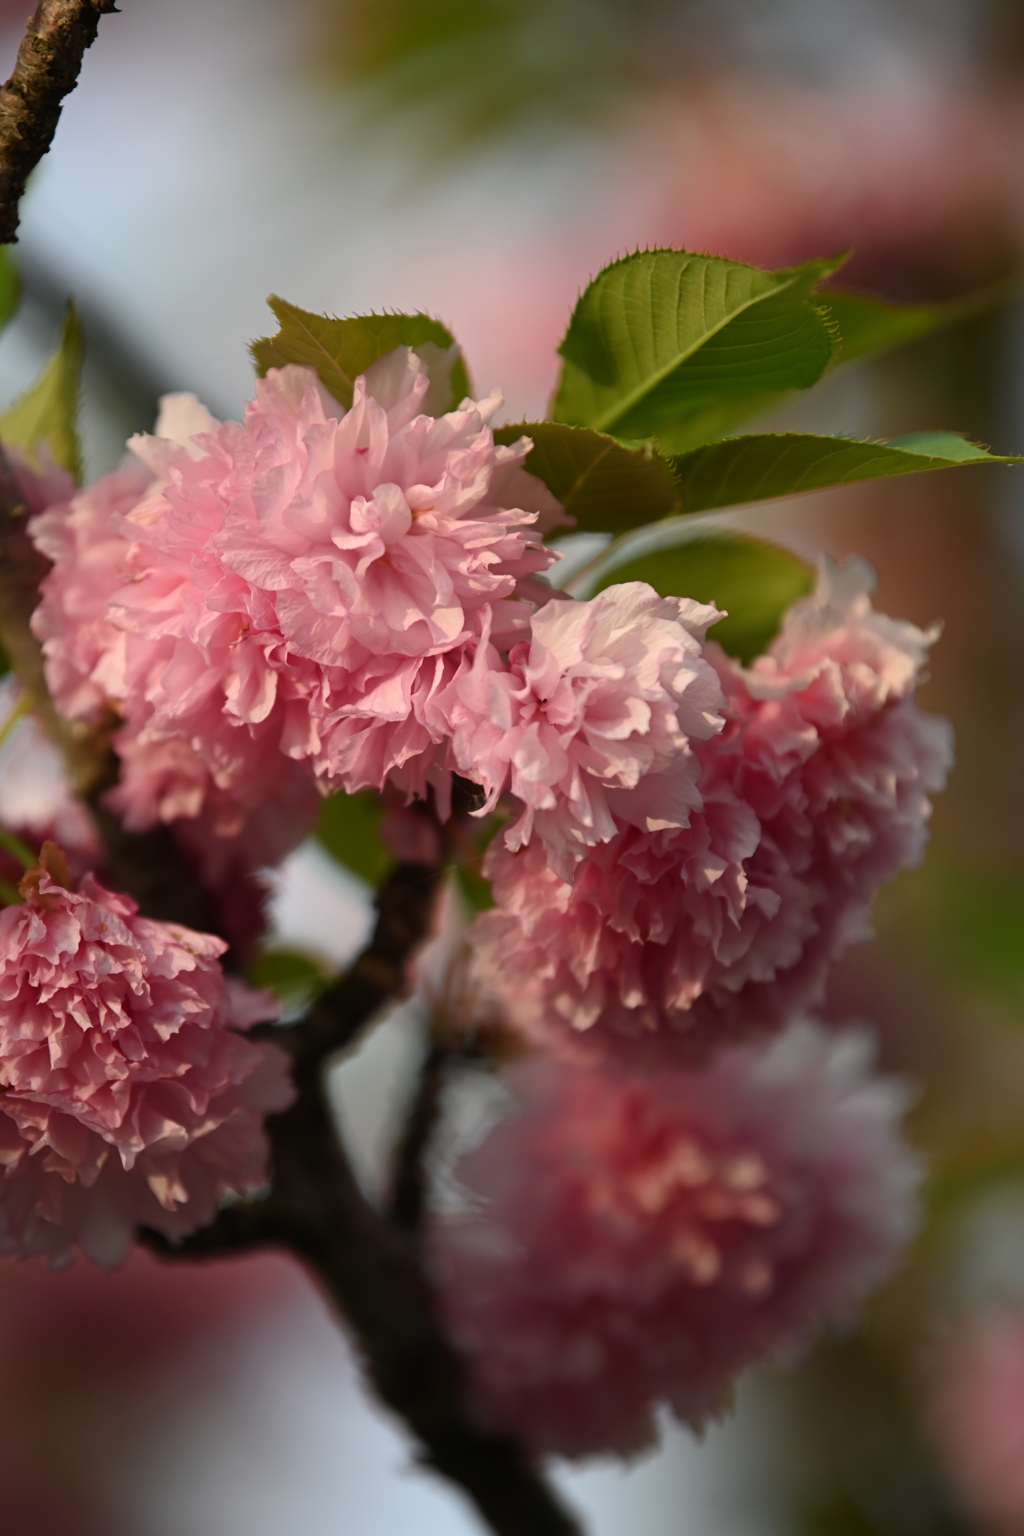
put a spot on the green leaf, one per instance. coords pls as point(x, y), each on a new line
point(294, 976)
point(47, 413)
point(348, 828)
point(475, 889)
point(604, 486)
point(340, 350)
point(767, 464)
point(965, 917)
point(661, 336)
point(869, 327)
point(753, 580)
point(10, 285)
point(716, 421)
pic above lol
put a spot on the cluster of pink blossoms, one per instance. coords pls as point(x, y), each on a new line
point(813, 795)
point(296, 590)
point(636, 1238)
point(129, 1098)
point(349, 599)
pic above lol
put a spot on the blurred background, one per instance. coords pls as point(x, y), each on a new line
point(480, 159)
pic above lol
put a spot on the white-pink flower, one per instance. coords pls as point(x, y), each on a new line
point(635, 1239)
point(813, 795)
point(182, 752)
point(592, 718)
point(129, 1098)
point(303, 584)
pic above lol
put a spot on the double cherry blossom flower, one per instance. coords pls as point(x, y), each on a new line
point(323, 599)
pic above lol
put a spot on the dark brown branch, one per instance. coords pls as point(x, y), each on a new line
point(404, 905)
point(409, 1188)
point(373, 1273)
point(151, 867)
point(370, 1266)
point(49, 61)
point(375, 1277)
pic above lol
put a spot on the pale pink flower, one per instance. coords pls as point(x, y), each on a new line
point(813, 795)
point(635, 1239)
point(976, 1415)
point(181, 752)
point(128, 1096)
point(304, 584)
point(592, 718)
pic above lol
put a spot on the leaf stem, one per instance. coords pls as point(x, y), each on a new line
point(22, 707)
point(17, 849)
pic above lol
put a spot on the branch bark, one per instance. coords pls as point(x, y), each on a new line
point(371, 1266)
point(49, 61)
point(410, 1183)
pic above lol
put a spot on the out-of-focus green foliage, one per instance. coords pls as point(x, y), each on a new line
point(10, 285)
point(47, 413)
point(341, 349)
point(753, 580)
point(294, 976)
point(483, 67)
point(474, 888)
point(966, 921)
point(869, 327)
point(349, 829)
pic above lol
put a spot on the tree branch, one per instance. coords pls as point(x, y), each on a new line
point(373, 1273)
point(404, 904)
point(409, 1188)
point(370, 1265)
point(49, 61)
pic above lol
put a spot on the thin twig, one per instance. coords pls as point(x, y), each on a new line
point(49, 61)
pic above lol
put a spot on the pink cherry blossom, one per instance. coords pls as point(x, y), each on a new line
point(637, 1239)
point(813, 795)
point(976, 1414)
point(128, 1096)
point(180, 753)
point(304, 584)
point(592, 718)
